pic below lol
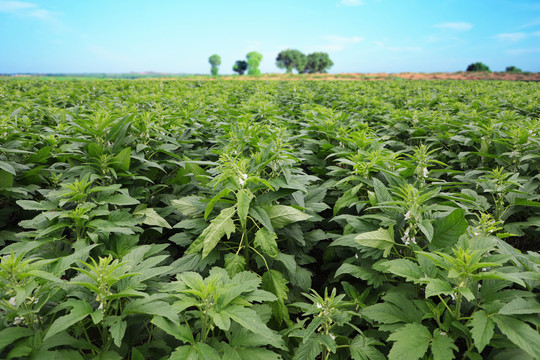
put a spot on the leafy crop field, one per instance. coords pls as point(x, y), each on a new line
point(269, 220)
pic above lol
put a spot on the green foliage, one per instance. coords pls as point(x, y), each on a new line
point(240, 66)
point(478, 66)
point(318, 62)
point(269, 220)
point(291, 59)
point(215, 61)
point(513, 69)
point(254, 60)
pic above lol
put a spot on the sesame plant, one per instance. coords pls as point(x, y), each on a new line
point(269, 220)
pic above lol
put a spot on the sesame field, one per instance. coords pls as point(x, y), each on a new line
point(265, 220)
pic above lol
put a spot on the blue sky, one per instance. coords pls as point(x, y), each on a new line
point(179, 35)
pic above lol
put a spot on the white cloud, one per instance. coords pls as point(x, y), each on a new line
point(510, 37)
point(391, 48)
point(15, 6)
point(26, 9)
point(337, 43)
point(457, 26)
point(353, 2)
point(523, 51)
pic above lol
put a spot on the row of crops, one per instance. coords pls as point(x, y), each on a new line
point(269, 220)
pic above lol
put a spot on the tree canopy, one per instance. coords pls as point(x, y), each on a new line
point(318, 62)
point(291, 59)
point(478, 66)
point(240, 67)
point(215, 61)
point(254, 60)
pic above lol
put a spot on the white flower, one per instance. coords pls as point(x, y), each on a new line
point(408, 215)
point(242, 179)
point(18, 320)
point(356, 256)
point(100, 307)
point(12, 301)
point(319, 306)
point(453, 296)
point(332, 336)
point(426, 172)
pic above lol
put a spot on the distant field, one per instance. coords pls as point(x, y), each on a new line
point(460, 75)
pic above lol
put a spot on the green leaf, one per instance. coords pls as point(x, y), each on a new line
point(6, 179)
point(119, 199)
point(308, 350)
point(520, 333)
point(482, 327)
point(520, 306)
point(180, 332)
point(442, 346)
point(259, 214)
point(80, 310)
point(266, 241)
point(249, 319)
point(401, 267)
point(256, 354)
point(7, 167)
point(411, 342)
point(152, 218)
point(365, 273)
point(150, 306)
point(348, 199)
point(123, 158)
point(362, 348)
point(447, 230)
point(243, 197)
point(38, 206)
point(117, 330)
point(213, 202)
point(379, 239)
point(234, 264)
point(282, 215)
point(438, 287)
point(9, 335)
point(187, 352)
point(220, 226)
point(190, 206)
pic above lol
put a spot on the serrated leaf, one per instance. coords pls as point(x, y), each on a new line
point(379, 239)
point(447, 230)
point(117, 330)
point(442, 346)
point(234, 264)
point(438, 287)
point(385, 313)
point(520, 306)
point(401, 267)
point(243, 197)
point(520, 333)
point(180, 332)
point(482, 329)
point(220, 226)
point(38, 206)
point(80, 311)
point(214, 201)
point(119, 199)
point(266, 241)
point(123, 158)
point(411, 342)
point(365, 273)
point(362, 348)
point(282, 215)
point(259, 214)
point(152, 218)
point(249, 319)
point(190, 206)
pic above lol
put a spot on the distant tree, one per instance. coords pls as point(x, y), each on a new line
point(254, 60)
point(513, 69)
point(478, 66)
point(318, 62)
point(291, 59)
point(215, 61)
point(240, 67)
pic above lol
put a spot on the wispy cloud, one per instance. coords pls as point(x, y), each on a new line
point(392, 48)
point(457, 26)
point(27, 9)
point(337, 43)
point(523, 51)
point(510, 37)
point(353, 2)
